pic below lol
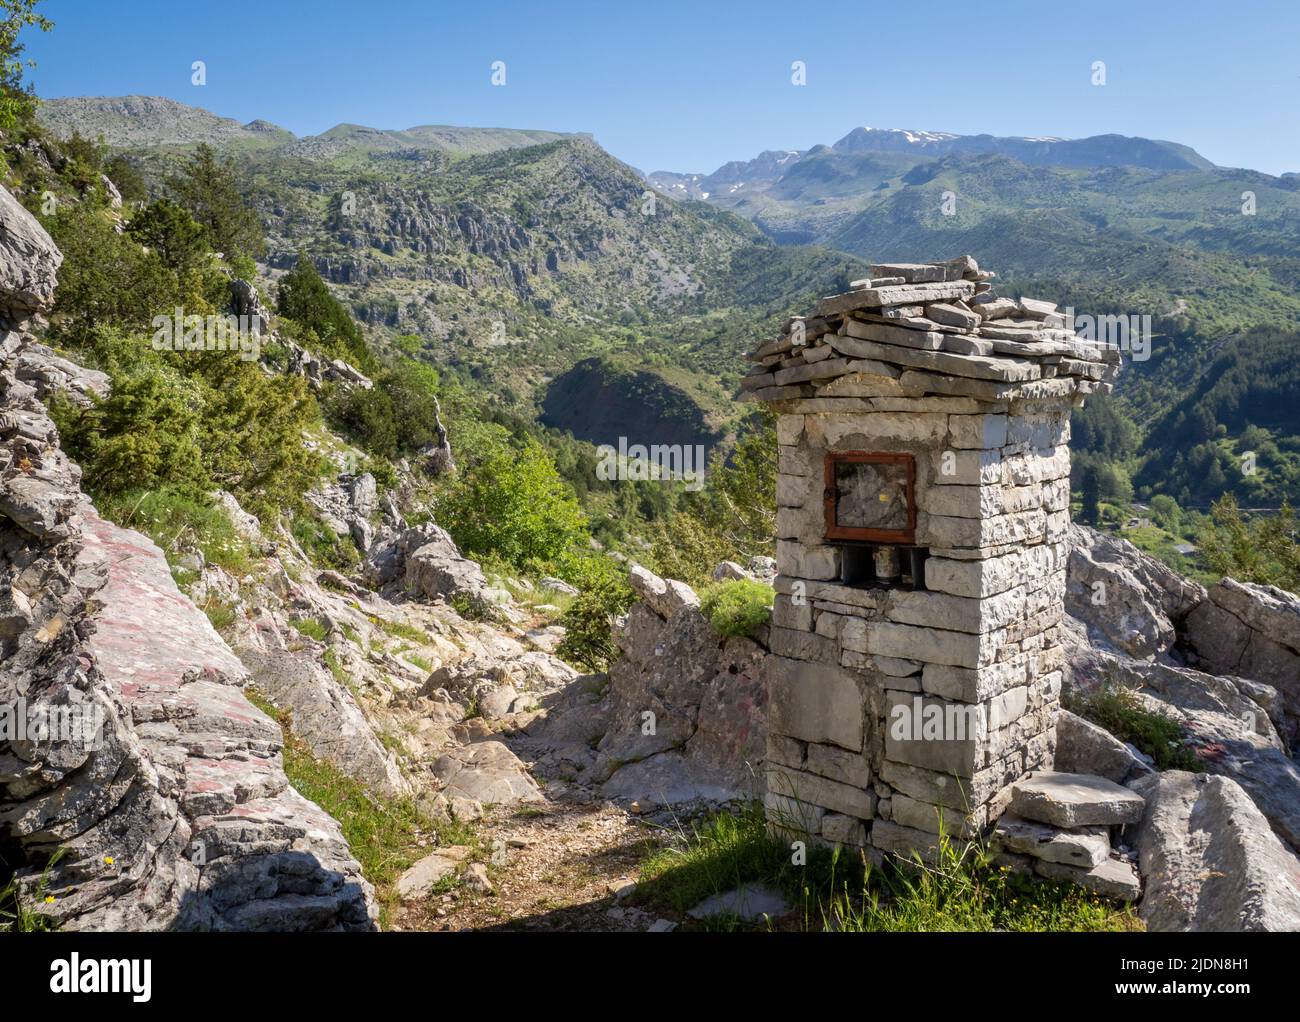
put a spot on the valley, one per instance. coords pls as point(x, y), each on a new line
point(538, 271)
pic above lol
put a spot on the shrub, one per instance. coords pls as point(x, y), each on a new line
point(311, 628)
point(321, 545)
point(737, 607)
point(107, 279)
point(304, 298)
point(223, 424)
point(1118, 709)
point(209, 188)
point(588, 622)
point(512, 502)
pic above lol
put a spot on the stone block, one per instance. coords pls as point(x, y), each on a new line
point(985, 432)
point(808, 562)
point(956, 613)
point(811, 789)
point(960, 729)
point(928, 645)
point(974, 685)
point(1086, 847)
point(1075, 800)
point(788, 614)
point(815, 703)
point(909, 812)
point(904, 842)
point(1114, 878)
point(838, 764)
point(839, 829)
point(800, 645)
point(1022, 527)
point(958, 793)
point(955, 467)
point(790, 818)
point(789, 429)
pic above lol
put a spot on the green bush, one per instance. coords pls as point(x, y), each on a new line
point(209, 188)
point(325, 324)
point(396, 417)
point(512, 502)
point(322, 545)
point(588, 622)
point(107, 279)
point(737, 607)
point(194, 422)
point(1118, 709)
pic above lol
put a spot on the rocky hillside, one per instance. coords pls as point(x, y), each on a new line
point(511, 254)
point(156, 797)
point(152, 120)
point(414, 685)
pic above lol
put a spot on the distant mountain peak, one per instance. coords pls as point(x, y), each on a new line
point(150, 120)
point(768, 168)
point(144, 121)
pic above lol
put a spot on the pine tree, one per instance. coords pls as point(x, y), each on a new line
point(209, 188)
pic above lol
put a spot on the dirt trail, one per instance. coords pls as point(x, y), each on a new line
point(553, 866)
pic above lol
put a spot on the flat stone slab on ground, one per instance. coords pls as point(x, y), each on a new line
point(749, 902)
point(418, 881)
point(1087, 847)
point(1074, 800)
point(1114, 878)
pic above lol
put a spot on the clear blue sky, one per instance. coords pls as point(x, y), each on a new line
point(686, 86)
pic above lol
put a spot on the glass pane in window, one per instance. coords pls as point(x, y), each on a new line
point(871, 495)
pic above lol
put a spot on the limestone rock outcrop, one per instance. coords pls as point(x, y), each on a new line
point(1129, 601)
point(1252, 631)
point(128, 748)
point(1210, 859)
point(680, 717)
point(29, 263)
point(1238, 727)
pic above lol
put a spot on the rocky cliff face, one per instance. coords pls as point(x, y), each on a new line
point(134, 775)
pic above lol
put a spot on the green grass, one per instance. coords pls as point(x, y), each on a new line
point(19, 917)
point(963, 890)
point(399, 629)
point(384, 835)
point(178, 522)
point(322, 546)
point(737, 607)
point(340, 675)
point(312, 628)
point(1116, 708)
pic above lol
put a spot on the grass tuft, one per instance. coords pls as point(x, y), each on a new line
point(963, 890)
point(1117, 708)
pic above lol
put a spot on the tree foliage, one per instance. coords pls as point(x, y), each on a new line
point(733, 517)
point(17, 101)
point(511, 501)
point(208, 187)
point(325, 325)
point(1260, 548)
